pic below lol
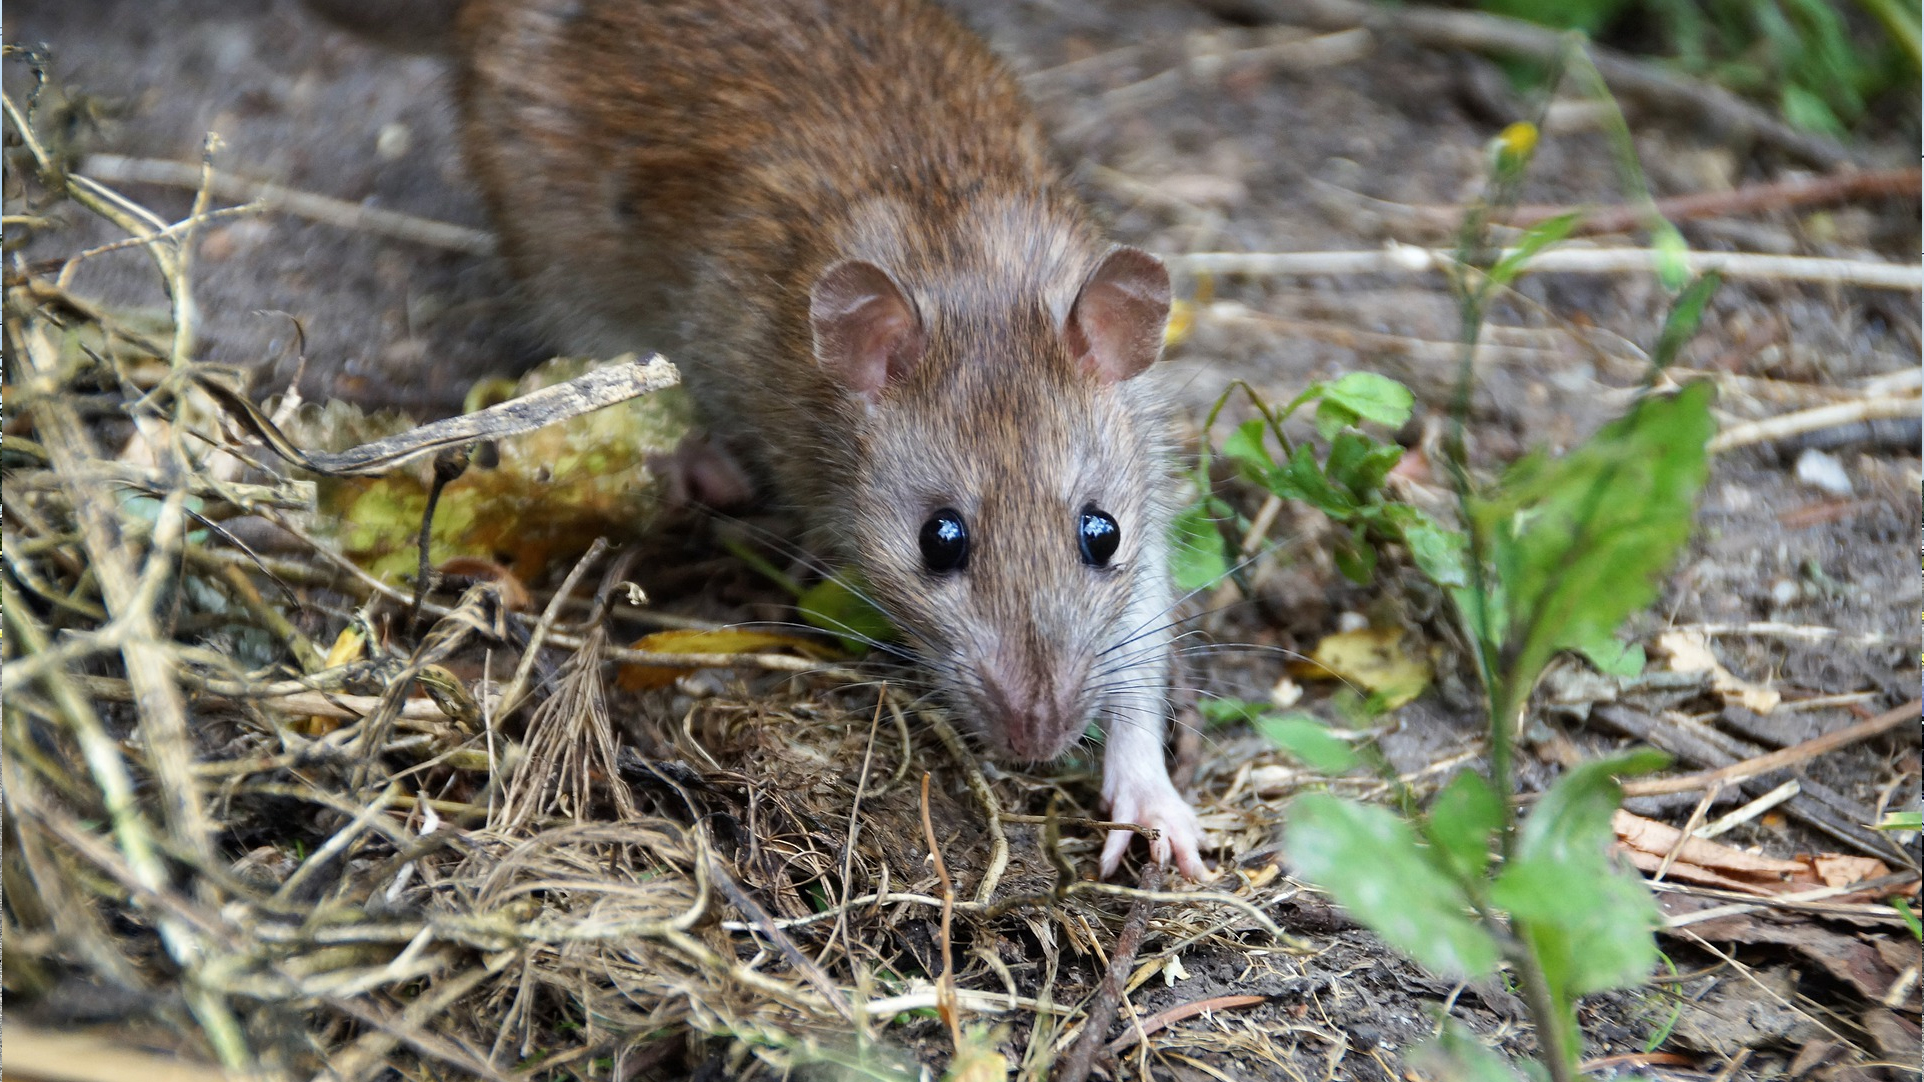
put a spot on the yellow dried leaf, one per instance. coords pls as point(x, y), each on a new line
point(1689, 651)
point(977, 1057)
point(724, 640)
point(1386, 661)
point(349, 645)
point(1182, 320)
point(545, 497)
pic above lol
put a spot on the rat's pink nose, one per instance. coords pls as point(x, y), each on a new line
point(1034, 723)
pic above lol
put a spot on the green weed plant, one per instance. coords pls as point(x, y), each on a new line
point(1551, 556)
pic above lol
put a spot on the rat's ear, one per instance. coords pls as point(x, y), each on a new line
point(867, 333)
point(1116, 325)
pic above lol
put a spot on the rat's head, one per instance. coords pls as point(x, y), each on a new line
point(1006, 510)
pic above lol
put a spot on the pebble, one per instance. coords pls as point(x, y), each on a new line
point(1821, 470)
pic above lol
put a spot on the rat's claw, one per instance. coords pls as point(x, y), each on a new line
point(1161, 808)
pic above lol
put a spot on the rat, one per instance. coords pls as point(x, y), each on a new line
point(842, 221)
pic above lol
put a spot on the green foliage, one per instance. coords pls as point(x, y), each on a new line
point(1345, 482)
point(1309, 740)
point(1685, 314)
point(1463, 819)
point(1676, 1003)
point(1910, 918)
point(1298, 734)
point(1617, 508)
point(1197, 558)
point(1554, 555)
point(1559, 552)
point(1538, 237)
point(1433, 892)
point(1904, 820)
point(1369, 859)
point(1589, 925)
point(837, 605)
point(1800, 54)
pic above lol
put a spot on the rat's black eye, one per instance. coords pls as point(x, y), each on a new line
point(945, 541)
point(1099, 535)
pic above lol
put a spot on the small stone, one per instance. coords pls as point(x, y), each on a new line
point(1784, 591)
point(393, 141)
point(1823, 471)
point(1286, 693)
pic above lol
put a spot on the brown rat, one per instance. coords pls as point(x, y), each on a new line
point(840, 218)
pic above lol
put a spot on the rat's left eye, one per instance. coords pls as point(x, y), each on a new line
point(1099, 536)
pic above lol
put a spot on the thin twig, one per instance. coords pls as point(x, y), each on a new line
point(945, 984)
point(1162, 1020)
point(991, 807)
point(1404, 259)
point(1778, 195)
point(1812, 420)
point(1082, 1055)
point(357, 217)
point(1777, 760)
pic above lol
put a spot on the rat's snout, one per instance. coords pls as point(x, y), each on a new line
point(1036, 718)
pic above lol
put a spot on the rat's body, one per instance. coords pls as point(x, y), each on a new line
point(841, 221)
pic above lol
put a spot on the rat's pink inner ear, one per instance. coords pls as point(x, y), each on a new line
point(1116, 327)
point(867, 333)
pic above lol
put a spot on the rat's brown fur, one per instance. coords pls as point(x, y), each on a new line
point(693, 175)
point(682, 173)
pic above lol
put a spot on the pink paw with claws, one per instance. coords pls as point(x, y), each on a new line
point(1151, 801)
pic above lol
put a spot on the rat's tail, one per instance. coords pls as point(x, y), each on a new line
point(413, 26)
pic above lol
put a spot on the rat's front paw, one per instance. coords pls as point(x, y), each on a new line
point(1155, 803)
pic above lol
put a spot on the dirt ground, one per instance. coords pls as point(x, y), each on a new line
point(1344, 151)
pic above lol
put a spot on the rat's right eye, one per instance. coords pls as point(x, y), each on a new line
point(945, 541)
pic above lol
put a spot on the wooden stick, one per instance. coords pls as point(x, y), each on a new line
point(1082, 1056)
point(1777, 760)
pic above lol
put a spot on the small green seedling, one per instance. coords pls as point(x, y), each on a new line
point(1345, 482)
point(1558, 553)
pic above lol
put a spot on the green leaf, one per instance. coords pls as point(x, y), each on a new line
point(1359, 463)
point(1535, 239)
point(1571, 823)
point(1355, 557)
point(835, 605)
point(1372, 397)
point(1673, 264)
point(1612, 657)
point(1578, 543)
point(1910, 918)
point(1368, 858)
point(1441, 554)
point(1245, 448)
point(1308, 741)
point(1463, 821)
point(1196, 554)
point(1302, 478)
point(1333, 417)
point(1226, 711)
point(1901, 820)
point(1810, 112)
point(1685, 314)
point(1590, 924)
